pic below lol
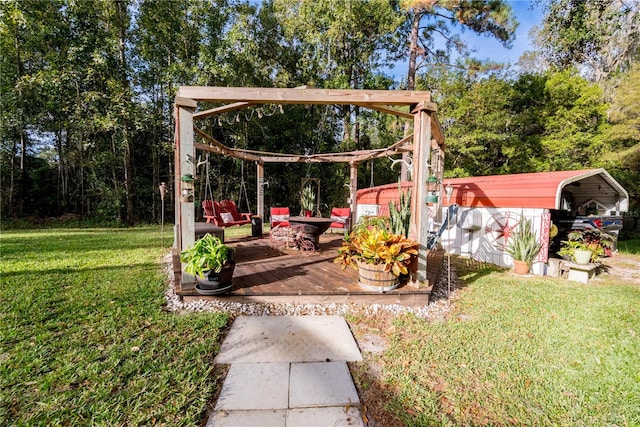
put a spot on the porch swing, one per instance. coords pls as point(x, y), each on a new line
point(224, 213)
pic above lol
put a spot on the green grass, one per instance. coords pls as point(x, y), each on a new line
point(534, 351)
point(84, 339)
point(631, 246)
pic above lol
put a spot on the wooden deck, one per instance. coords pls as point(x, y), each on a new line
point(276, 275)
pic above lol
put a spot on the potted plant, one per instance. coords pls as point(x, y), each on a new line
point(307, 201)
point(210, 261)
point(585, 246)
point(380, 257)
point(523, 246)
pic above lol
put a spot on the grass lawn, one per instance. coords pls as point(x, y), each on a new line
point(84, 340)
point(516, 351)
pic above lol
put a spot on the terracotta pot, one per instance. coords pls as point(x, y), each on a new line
point(308, 213)
point(520, 267)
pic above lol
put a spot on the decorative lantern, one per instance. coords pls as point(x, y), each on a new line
point(186, 191)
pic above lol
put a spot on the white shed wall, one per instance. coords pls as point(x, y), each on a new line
point(481, 244)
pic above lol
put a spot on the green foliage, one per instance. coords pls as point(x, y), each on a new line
point(523, 244)
point(374, 245)
point(596, 241)
point(207, 253)
point(307, 199)
point(601, 37)
point(400, 214)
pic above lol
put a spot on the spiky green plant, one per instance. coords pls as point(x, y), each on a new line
point(307, 199)
point(400, 214)
point(523, 245)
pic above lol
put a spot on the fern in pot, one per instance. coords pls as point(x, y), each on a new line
point(523, 246)
point(210, 261)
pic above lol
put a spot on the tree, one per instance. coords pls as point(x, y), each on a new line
point(344, 44)
point(432, 32)
point(622, 153)
point(600, 35)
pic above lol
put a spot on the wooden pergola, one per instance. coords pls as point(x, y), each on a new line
point(426, 143)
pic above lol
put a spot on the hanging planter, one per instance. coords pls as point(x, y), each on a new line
point(186, 194)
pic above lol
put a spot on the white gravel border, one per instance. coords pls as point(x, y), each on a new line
point(437, 309)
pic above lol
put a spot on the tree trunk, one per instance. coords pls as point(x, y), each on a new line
point(121, 11)
point(411, 84)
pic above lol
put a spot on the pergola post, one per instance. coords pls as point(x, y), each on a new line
point(353, 190)
point(419, 228)
point(185, 235)
point(260, 177)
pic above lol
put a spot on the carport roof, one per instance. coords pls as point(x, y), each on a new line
point(536, 190)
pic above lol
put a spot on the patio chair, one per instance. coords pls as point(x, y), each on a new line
point(223, 215)
point(434, 236)
point(341, 218)
point(279, 216)
point(237, 218)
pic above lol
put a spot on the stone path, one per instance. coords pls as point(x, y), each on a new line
point(288, 371)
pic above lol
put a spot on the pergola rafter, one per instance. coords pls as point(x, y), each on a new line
point(427, 134)
point(218, 147)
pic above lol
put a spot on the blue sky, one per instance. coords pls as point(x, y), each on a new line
point(528, 14)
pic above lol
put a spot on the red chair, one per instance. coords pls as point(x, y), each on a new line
point(224, 214)
point(341, 218)
point(237, 218)
point(210, 214)
point(279, 216)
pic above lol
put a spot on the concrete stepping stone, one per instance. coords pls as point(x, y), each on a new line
point(321, 384)
point(334, 417)
point(255, 386)
point(271, 339)
point(263, 418)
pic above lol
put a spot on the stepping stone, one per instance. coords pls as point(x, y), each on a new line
point(334, 417)
point(265, 418)
point(272, 339)
point(321, 384)
point(255, 386)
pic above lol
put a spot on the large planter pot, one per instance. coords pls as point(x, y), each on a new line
point(582, 256)
point(520, 267)
point(373, 277)
point(213, 281)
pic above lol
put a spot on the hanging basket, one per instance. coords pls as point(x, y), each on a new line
point(373, 277)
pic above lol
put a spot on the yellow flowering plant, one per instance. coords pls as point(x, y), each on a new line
point(376, 245)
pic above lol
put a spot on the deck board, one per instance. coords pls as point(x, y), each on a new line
point(267, 274)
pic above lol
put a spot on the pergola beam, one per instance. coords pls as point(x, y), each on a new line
point(303, 95)
point(221, 110)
